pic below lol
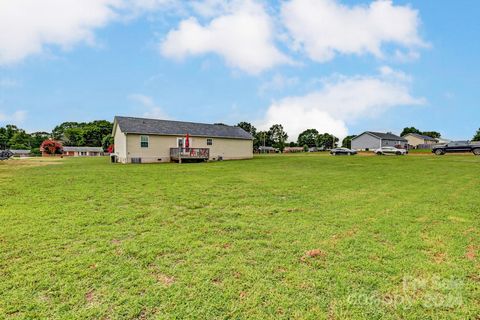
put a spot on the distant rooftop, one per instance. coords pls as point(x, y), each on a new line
point(83, 149)
point(386, 136)
point(180, 128)
point(421, 136)
point(20, 151)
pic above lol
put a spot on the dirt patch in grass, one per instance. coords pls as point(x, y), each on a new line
point(90, 297)
point(471, 252)
point(164, 279)
point(161, 277)
point(439, 257)
point(312, 254)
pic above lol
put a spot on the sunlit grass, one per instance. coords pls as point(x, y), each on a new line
point(297, 236)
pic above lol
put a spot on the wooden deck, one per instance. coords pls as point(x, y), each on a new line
point(179, 154)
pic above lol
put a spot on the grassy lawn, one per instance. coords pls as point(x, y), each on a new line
point(305, 236)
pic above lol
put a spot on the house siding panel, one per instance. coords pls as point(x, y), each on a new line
point(365, 141)
point(159, 148)
point(416, 141)
point(393, 143)
point(120, 141)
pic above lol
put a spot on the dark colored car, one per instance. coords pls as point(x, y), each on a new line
point(457, 146)
point(5, 154)
point(343, 151)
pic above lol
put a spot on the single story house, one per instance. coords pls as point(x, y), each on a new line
point(83, 151)
point(293, 149)
point(419, 141)
point(266, 149)
point(21, 153)
point(140, 140)
point(370, 140)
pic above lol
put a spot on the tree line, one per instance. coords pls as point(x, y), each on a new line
point(91, 134)
point(276, 137)
point(98, 134)
point(311, 138)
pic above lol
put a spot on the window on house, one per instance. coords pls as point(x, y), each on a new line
point(180, 142)
point(209, 141)
point(144, 141)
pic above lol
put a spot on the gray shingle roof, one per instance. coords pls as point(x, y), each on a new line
point(83, 149)
point(180, 128)
point(20, 151)
point(386, 136)
point(420, 136)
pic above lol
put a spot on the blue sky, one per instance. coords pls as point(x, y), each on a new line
point(338, 66)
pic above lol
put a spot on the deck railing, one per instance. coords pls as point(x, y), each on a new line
point(189, 153)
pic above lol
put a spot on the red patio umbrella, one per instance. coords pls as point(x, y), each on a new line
point(187, 141)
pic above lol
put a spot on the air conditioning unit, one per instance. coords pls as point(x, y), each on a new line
point(136, 160)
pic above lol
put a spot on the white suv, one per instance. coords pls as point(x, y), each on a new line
point(390, 150)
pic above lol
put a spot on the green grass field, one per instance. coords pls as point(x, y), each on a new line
point(304, 236)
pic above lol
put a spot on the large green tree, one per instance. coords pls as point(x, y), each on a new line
point(327, 141)
point(308, 138)
point(477, 136)
point(347, 141)
point(278, 136)
point(19, 140)
point(94, 132)
point(59, 131)
point(107, 141)
point(36, 138)
point(248, 127)
point(3, 138)
point(73, 137)
point(263, 138)
point(410, 130)
point(432, 134)
point(83, 133)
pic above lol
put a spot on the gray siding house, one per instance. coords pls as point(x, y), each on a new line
point(370, 140)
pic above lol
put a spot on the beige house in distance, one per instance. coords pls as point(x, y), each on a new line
point(139, 140)
point(415, 140)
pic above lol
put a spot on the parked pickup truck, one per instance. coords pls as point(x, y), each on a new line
point(457, 146)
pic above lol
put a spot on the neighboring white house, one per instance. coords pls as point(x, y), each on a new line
point(140, 140)
point(21, 153)
point(370, 140)
point(83, 151)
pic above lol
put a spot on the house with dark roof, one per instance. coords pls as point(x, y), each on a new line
point(140, 140)
point(416, 140)
point(370, 140)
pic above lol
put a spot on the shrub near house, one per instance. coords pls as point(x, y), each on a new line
point(51, 148)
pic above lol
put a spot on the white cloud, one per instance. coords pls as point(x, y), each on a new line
point(243, 36)
point(16, 117)
point(148, 106)
point(388, 72)
point(340, 101)
point(278, 82)
point(406, 56)
point(28, 26)
point(324, 28)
